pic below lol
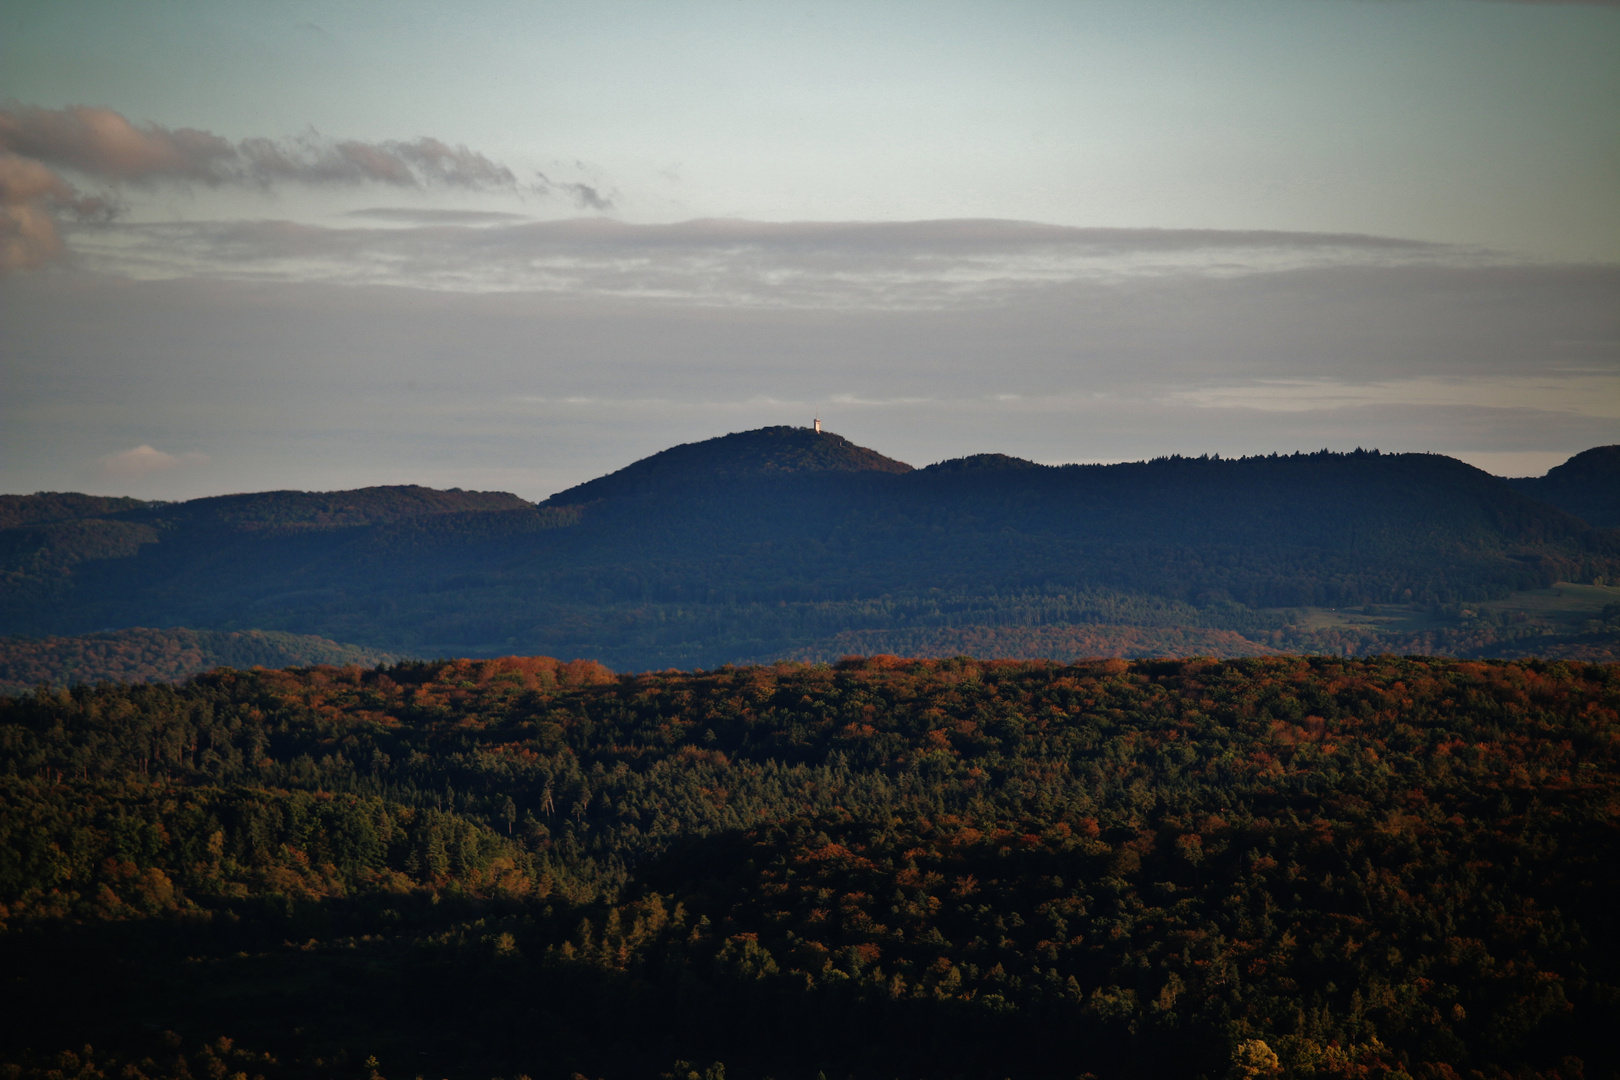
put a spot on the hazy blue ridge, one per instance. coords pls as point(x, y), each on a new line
point(785, 543)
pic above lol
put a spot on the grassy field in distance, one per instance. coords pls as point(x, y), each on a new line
point(1565, 604)
point(1565, 608)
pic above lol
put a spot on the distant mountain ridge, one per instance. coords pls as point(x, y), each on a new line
point(762, 453)
point(982, 463)
point(329, 509)
point(48, 507)
point(786, 542)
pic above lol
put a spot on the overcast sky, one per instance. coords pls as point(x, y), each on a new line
point(322, 245)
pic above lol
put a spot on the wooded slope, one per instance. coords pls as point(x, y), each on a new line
point(142, 654)
point(1277, 866)
point(776, 542)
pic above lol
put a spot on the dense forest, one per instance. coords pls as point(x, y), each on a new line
point(1454, 630)
point(1264, 867)
point(784, 543)
point(141, 654)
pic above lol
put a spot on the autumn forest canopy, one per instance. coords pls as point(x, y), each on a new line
point(1305, 867)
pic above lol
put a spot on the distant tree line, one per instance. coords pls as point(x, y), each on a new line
point(142, 654)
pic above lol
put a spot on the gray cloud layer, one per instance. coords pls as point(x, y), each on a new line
point(922, 265)
point(98, 144)
point(286, 382)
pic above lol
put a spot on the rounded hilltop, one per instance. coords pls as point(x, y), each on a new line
point(981, 463)
point(763, 452)
point(1587, 485)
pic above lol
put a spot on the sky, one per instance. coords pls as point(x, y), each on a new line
point(513, 246)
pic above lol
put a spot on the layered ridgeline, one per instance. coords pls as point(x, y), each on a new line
point(784, 542)
point(1302, 869)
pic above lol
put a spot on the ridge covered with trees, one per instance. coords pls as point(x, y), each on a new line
point(1277, 866)
point(1587, 485)
point(783, 542)
point(141, 654)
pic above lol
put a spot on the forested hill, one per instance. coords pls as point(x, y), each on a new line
point(52, 506)
point(141, 654)
point(74, 564)
point(767, 452)
point(783, 542)
point(1587, 485)
point(1282, 868)
point(325, 510)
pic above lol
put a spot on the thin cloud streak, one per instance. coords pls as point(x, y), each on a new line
point(408, 215)
point(584, 196)
point(919, 265)
point(1595, 395)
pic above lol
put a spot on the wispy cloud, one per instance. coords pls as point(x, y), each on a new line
point(1593, 395)
point(410, 215)
point(856, 399)
point(103, 145)
point(585, 196)
point(31, 198)
point(45, 153)
point(912, 265)
point(142, 461)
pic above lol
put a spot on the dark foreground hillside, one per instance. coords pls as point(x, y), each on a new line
point(886, 868)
